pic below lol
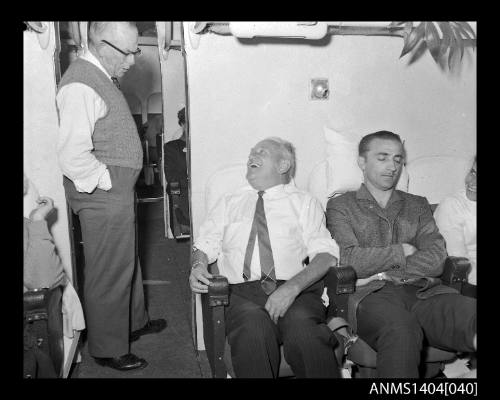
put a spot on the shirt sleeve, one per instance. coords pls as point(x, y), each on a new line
point(366, 261)
point(212, 231)
point(79, 108)
point(42, 265)
point(314, 233)
point(450, 222)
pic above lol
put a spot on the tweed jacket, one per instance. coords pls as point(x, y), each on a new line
point(370, 239)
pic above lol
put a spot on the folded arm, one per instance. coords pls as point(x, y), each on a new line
point(366, 261)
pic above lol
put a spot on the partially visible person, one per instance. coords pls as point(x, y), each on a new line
point(456, 217)
point(391, 240)
point(175, 165)
point(42, 266)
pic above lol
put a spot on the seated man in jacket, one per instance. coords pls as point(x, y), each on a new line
point(391, 240)
point(274, 297)
point(456, 217)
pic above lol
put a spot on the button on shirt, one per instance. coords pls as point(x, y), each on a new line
point(296, 224)
point(79, 108)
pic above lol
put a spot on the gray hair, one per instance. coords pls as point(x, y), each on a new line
point(98, 28)
point(287, 151)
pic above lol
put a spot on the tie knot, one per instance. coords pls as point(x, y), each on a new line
point(260, 193)
point(115, 81)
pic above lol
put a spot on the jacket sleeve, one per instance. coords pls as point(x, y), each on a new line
point(366, 261)
point(428, 260)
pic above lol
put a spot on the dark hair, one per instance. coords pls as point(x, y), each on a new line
point(181, 116)
point(364, 144)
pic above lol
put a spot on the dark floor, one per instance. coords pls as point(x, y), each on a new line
point(165, 269)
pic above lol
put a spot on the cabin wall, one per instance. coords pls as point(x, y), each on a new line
point(240, 93)
point(40, 131)
point(144, 79)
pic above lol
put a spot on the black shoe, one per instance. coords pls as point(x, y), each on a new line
point(126, 362)
point(153, 326)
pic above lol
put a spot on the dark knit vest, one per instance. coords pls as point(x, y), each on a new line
point(115, 138)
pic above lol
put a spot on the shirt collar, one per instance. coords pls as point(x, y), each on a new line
point(272, 191)
point(364, 194)
point(88, 56)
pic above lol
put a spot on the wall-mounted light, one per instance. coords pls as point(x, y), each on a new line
point(319, 89)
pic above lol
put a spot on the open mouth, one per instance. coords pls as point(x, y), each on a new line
point(253, 165)
point(472, 188)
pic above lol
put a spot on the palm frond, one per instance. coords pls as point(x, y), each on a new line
point(444, 40)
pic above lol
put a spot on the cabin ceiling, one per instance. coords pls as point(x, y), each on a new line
point(146, 28)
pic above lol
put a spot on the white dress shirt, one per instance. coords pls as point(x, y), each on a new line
point(456, 218)
point(79, 108)
point(296, 224)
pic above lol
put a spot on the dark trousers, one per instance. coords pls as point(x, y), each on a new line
point(308, 344)
point(113, 291)
point(397, 324)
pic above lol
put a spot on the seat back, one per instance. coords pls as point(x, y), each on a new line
point(436, 177)
point(224, 181)
point(135, 106)
point(154, 105)
point(339, 172)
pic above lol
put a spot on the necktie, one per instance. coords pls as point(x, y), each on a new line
point(115, 81)
point(260, 230)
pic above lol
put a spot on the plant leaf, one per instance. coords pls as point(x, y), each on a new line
point(462, 30)
point(468, 28)
point(453, 50)
point(447, 35)
point(420, 50)
point(459, 41)
point(395, 24)
point(411, 40)
point(432, 40)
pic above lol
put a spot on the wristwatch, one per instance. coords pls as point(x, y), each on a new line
point(380, 276)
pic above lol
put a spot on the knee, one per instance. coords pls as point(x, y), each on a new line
point(253, 325)
point(404, 329)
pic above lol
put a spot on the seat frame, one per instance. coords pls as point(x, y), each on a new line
point(340, 282)
point(360, 353)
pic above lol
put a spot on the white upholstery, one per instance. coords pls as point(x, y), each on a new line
point(154, 105)
point(223, 181)
point(339, 172)
point(435, 177)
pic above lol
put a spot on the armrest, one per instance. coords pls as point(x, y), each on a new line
point(455, 272)
point(175, 188)
point(340, 282)
point(218, 291)
point(45, 306)
point(214, 327)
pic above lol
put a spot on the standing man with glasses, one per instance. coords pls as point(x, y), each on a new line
point(100, 155)
point(260, 236)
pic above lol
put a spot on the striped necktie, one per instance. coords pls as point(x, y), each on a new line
point(260, 230)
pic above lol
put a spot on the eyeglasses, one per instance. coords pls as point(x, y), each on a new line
point(135, 53)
